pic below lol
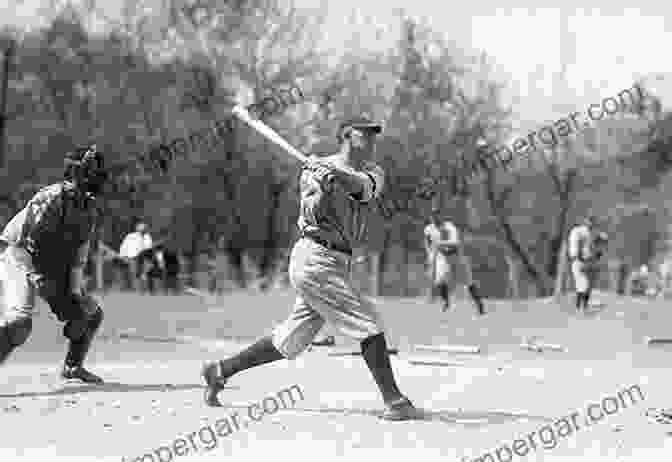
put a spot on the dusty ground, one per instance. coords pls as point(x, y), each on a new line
point(153, 394)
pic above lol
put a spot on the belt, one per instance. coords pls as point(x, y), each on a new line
point(581, 259)
point(328, 245)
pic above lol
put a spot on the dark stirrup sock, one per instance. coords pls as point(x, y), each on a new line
point(579, 300)
point(77, 351)
point(476, 296)
point(260, 352)
point(374, 351)
point(445, 295)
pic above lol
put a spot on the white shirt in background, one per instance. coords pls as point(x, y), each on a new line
point(134, 243)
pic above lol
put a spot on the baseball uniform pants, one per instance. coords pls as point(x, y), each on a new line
point(451, 271)
point(583, 274)
point(321, 278)
point(19, 295)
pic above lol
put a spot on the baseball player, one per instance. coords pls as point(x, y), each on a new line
point(338, 194)
point(45, 248)
point(445, 254)
point(586, 245)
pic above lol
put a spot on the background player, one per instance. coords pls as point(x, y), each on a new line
point(586, 245)
point(46, 247)
point(445, 254)
point(338, 194)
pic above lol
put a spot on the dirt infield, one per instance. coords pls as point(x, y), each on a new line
point(470, 407)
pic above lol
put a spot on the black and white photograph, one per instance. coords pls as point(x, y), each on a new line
point(335, 230)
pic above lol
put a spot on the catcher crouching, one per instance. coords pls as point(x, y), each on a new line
point(45, 248)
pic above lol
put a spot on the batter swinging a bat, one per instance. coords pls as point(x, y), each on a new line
point(45, 248)
point(338, 193)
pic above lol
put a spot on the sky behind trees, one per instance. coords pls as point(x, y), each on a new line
point(600, 49)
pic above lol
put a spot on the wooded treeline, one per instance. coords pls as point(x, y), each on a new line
point(156, 76)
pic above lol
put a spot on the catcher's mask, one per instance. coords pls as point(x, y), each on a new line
point(86, 167)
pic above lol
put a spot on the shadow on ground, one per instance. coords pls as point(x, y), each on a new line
point(451, 417)
point(110, 387)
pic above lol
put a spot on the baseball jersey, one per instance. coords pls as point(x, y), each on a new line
point(337, 216)
point(447, 231)
point(441, 264)
point(580, 243)
point(55, 227)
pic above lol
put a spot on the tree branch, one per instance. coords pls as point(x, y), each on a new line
point(541, 278)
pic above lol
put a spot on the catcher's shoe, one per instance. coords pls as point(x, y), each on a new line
point(399, 410)
point(79, 373)
point(214, 383)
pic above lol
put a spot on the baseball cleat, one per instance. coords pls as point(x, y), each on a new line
point(399, 410)
point(214, 383)
point(79, 373)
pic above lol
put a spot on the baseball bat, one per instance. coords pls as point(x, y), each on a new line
point(267, 132)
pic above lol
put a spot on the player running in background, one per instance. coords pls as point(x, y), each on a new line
point(586, 245)
point(447, 262)
point(45, 249)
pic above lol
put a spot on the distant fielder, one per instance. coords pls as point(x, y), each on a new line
point(448, 264)
point(586, 245)
point(46, 246)
point(338, 196)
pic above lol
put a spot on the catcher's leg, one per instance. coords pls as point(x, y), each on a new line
point(83, 317)
point(19, 299)
point(14, 331)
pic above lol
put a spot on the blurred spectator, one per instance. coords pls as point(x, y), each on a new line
point(153, 269)
point(171, 269)
point(136, 250)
